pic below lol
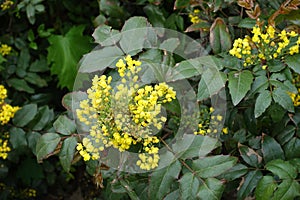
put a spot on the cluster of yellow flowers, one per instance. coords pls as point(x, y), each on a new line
point(6, 4)
point(210, 124)
point(5, 49)
point(29, 192)
point(124, 116)
point(6, 111)
point(265, 45)
point(4, 148)
point(296, 97)
point(194, 17)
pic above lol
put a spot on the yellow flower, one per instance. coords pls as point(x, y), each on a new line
point(225, 130)
point(5, 49)
point(6, 4)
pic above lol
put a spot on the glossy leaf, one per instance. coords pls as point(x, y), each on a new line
point(106, 36)
point(262, 102)
point(265, 188)
point(213, 166)
point(25, 115)
point(293, 62)
point(292, 148)
point(271, 149)
point(219, 37)
point(250, 156)
point(188, 185)
point(282, 98)
point(288, 189)
point(212, 189)
point(239, 85)
point(17, 137)
point(235, 172)
point(46, 145)
point(67, 153)
point(248, 184)
point(64, 125)
point(281, 168)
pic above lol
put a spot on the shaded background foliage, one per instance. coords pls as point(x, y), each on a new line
point(48, 39)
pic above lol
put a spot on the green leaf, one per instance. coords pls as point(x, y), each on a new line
point(169, 44)
point(293, 62)
point(260, 84)
point(44, 116)
point(250, 156)
point(286, 135)
point(46, 145)
point(283, 169)
point(265, 188)
point(235, 172)
point(181, 4)
point(162, 179)
point(191, 146)
point(219, 37)
point(188, 185)
point(288, 189)
point(39, 66)
point(67, 153)
point(271, 149)
point(100, 59)
point(106, 36)
point(64, 52)
point(239, 85)
point(20, 85)
point(212, 189)
point(17, 137)
point(25, 115)
point(282, 98)
point(211, 83)
point(248, 184)
point(262, 102)
point(29, 171)
point(292, 148)
point(35, 79)
point(64, 125)
point(213, 166)
point(32, 138)
point(155, 15)
point(247, 23)
point(133, 35)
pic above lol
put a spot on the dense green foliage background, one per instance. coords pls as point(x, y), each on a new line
point(258, 157)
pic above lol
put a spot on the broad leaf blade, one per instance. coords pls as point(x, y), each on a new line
point(282, 98)
point(293, 62)
point(271, 149)
point(263, 101)
point(265, 188)
point(188, 185)
point(25, 115)
point(283, 169)
point(249, 184)
point(219, 37)
point(239, 85)
point(212, 189)
point(288, 189)
point(67, 153)
point(64, 125)
point(46, 145)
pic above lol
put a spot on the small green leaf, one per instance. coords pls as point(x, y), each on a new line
point(288, 189)
point(282, 98)
point(212, 189)
point(44, 116)
point(265, 188)
point(250, 156)
point(219, 37)
point(239, 85)
point(249, 184)
point(181, 4)
point(263, 101)
point(213, 166)
point(35, 79)
point(169, 44)
point(155, 15)
point(20, 85)
point(162, 179)
point(64, 125)
point(292, 148)
point(32, 138)
point(25, 115)
point(46, 145)
point(67, 153)
point(17, 137)
point(188, 185)
point(283, 169)
point(293, 62)
point(271, 149)
point(247, 23)
point(286, 135)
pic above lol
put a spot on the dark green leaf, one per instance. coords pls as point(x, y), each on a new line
point(292, 148)
point(283, 169)
point(282, 98)
point(265, 188)
point(64, 125)
point(235, 172)
point(263, 101)
point(212, 189)
point(188, 185)
point(32, 138)
point(247, 23)
point(25, 115)
point(155, 15)
point(17, 137)
point(288, 189)
point(213, 166)
point(64, 52)
point(162, 179)
point(46, 145)
point(239, 85)
point(181, 3)
point(20, 85)
point(67, 153)
point(271, 149)
point(249, 184)
point(35, 79)
point(286, 135)
point(44, 116)
point(293, 62)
